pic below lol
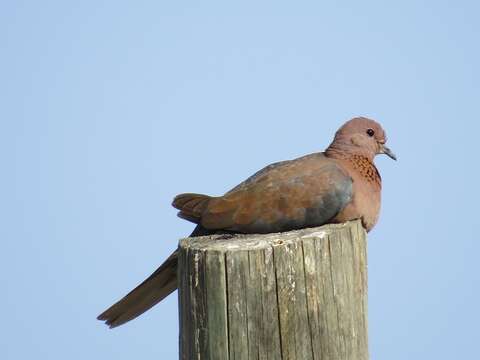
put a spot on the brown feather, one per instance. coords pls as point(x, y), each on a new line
point(191, 206)
point(151, 291)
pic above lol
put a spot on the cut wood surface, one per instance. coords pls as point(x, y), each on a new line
point(295, 295)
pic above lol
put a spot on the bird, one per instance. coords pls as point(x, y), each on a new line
point(337, 185)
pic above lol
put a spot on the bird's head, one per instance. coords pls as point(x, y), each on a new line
point(362, 136)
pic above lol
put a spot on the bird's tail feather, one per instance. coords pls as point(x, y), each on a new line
point(153, 290)
point(191, 206)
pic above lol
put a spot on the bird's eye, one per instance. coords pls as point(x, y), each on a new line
point(370, 132)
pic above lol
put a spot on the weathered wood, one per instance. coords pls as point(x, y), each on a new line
point(289, 296)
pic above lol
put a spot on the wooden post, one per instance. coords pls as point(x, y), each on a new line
point(297, 295)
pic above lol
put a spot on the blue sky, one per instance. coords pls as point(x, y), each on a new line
point(110, 108)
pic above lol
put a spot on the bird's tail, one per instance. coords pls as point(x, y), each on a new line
point(191, 206)
point(150, 292)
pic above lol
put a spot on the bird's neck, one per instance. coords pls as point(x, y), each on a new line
point(344, 150)
point(361, 162)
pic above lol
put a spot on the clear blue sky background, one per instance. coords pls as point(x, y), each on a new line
point(110, 108)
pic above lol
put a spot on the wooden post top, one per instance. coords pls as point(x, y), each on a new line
point(298, 295)
point(233, 242)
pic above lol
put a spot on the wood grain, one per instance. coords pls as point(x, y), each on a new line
point(288, 296)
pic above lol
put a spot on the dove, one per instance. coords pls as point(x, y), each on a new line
point(337, 185)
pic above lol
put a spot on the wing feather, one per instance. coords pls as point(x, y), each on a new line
point(305, 192)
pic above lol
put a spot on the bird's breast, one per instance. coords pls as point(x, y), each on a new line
point(366, 199)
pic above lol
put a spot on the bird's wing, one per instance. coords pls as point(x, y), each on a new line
point(300, 193)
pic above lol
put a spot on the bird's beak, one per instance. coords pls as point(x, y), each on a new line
point(385, 150)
